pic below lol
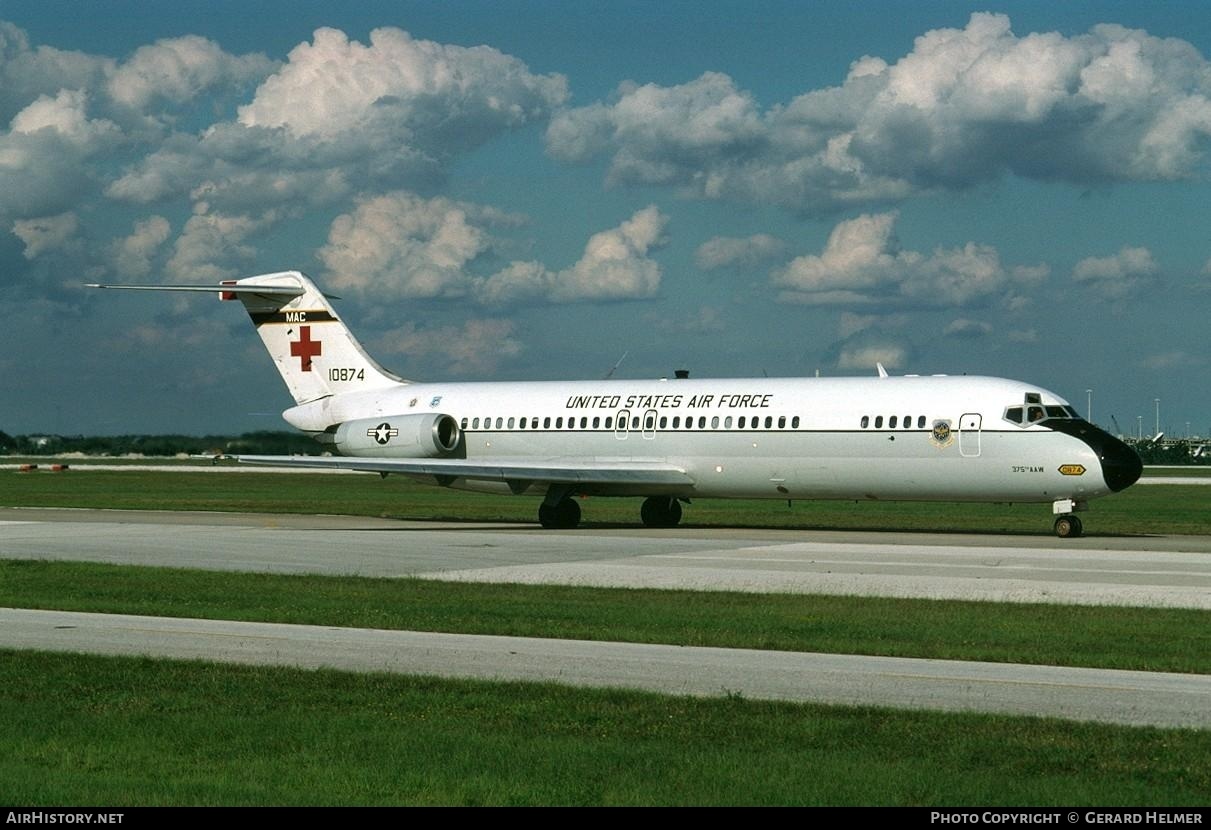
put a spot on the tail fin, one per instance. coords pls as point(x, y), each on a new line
point(314, 352)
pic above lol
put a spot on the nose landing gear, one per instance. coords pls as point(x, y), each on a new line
point(1067, 525)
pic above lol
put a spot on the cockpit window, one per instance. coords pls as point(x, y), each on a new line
point(1034, 411)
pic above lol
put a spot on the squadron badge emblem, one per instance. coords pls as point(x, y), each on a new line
point(941, 435)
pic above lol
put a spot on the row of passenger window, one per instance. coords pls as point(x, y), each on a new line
point(892, 421)
point(647, 422)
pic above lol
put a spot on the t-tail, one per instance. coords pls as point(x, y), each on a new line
point(315, 353)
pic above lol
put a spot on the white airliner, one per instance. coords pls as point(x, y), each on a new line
point(938, 438)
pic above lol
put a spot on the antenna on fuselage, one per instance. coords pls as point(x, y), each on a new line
point(882, 371)
point(614, 368)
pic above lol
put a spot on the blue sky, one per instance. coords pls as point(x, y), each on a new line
point(530, 190)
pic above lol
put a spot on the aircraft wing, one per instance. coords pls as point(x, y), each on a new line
point(509, 470)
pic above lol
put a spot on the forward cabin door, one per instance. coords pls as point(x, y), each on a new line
point(969, 435)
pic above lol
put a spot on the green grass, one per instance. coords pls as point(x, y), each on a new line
point(129, 731)
point(1147, 639)
point(1146, 509)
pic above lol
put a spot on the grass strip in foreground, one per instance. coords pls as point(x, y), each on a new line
point(1097, 637)
point(131, 731)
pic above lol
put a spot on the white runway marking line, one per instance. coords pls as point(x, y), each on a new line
point(999, 567)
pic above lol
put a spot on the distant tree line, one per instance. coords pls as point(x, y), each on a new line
point(253, 443)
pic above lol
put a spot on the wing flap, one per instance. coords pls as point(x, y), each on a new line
point(553, 471)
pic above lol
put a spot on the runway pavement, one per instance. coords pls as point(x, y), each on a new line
point(1133, 571)
point(1123, 697)
point(1137, 571)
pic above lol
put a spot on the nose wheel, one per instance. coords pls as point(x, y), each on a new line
point(1068, 527)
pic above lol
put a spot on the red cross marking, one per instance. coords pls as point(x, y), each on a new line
point(305, 348)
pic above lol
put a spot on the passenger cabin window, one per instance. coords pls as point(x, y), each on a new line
point(608, 421)
point(891, 422)
point(464, 423)
point(865, 421)
point(676, 422)
point(878, 422)
point(920, 422)
point(795, 422)
point(701, 422)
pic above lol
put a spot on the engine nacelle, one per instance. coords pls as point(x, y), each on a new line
point(431, 435)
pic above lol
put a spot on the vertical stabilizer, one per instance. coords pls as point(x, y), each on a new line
point(313, 350)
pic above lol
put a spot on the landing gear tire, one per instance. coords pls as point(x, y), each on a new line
point(560, 516)
point(658, 511)
point(1068, 527)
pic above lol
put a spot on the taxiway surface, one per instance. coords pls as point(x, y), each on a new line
point(1131, 571)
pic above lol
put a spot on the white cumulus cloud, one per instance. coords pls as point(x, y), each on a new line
point(46, 233)
point(964, 106)
point(475, 348)
point(403, 245)
point(131, 256)
point(1118, 275)
point(422, 92)
point(864, 264)
point(615, 266)
point(732, 252)
point(179, 69)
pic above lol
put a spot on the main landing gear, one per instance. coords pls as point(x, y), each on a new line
point(562, 515)
point(660, 511)
point(559, 511)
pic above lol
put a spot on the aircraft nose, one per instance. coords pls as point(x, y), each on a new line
point(1121, 466)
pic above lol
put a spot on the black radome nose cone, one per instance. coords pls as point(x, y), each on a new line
point(1121, 466)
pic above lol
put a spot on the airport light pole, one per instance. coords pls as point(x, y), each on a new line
point(1089, 405)
point(1158, 416)
point(1139, 427)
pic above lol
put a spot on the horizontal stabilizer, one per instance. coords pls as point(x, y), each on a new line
point(245, 288)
